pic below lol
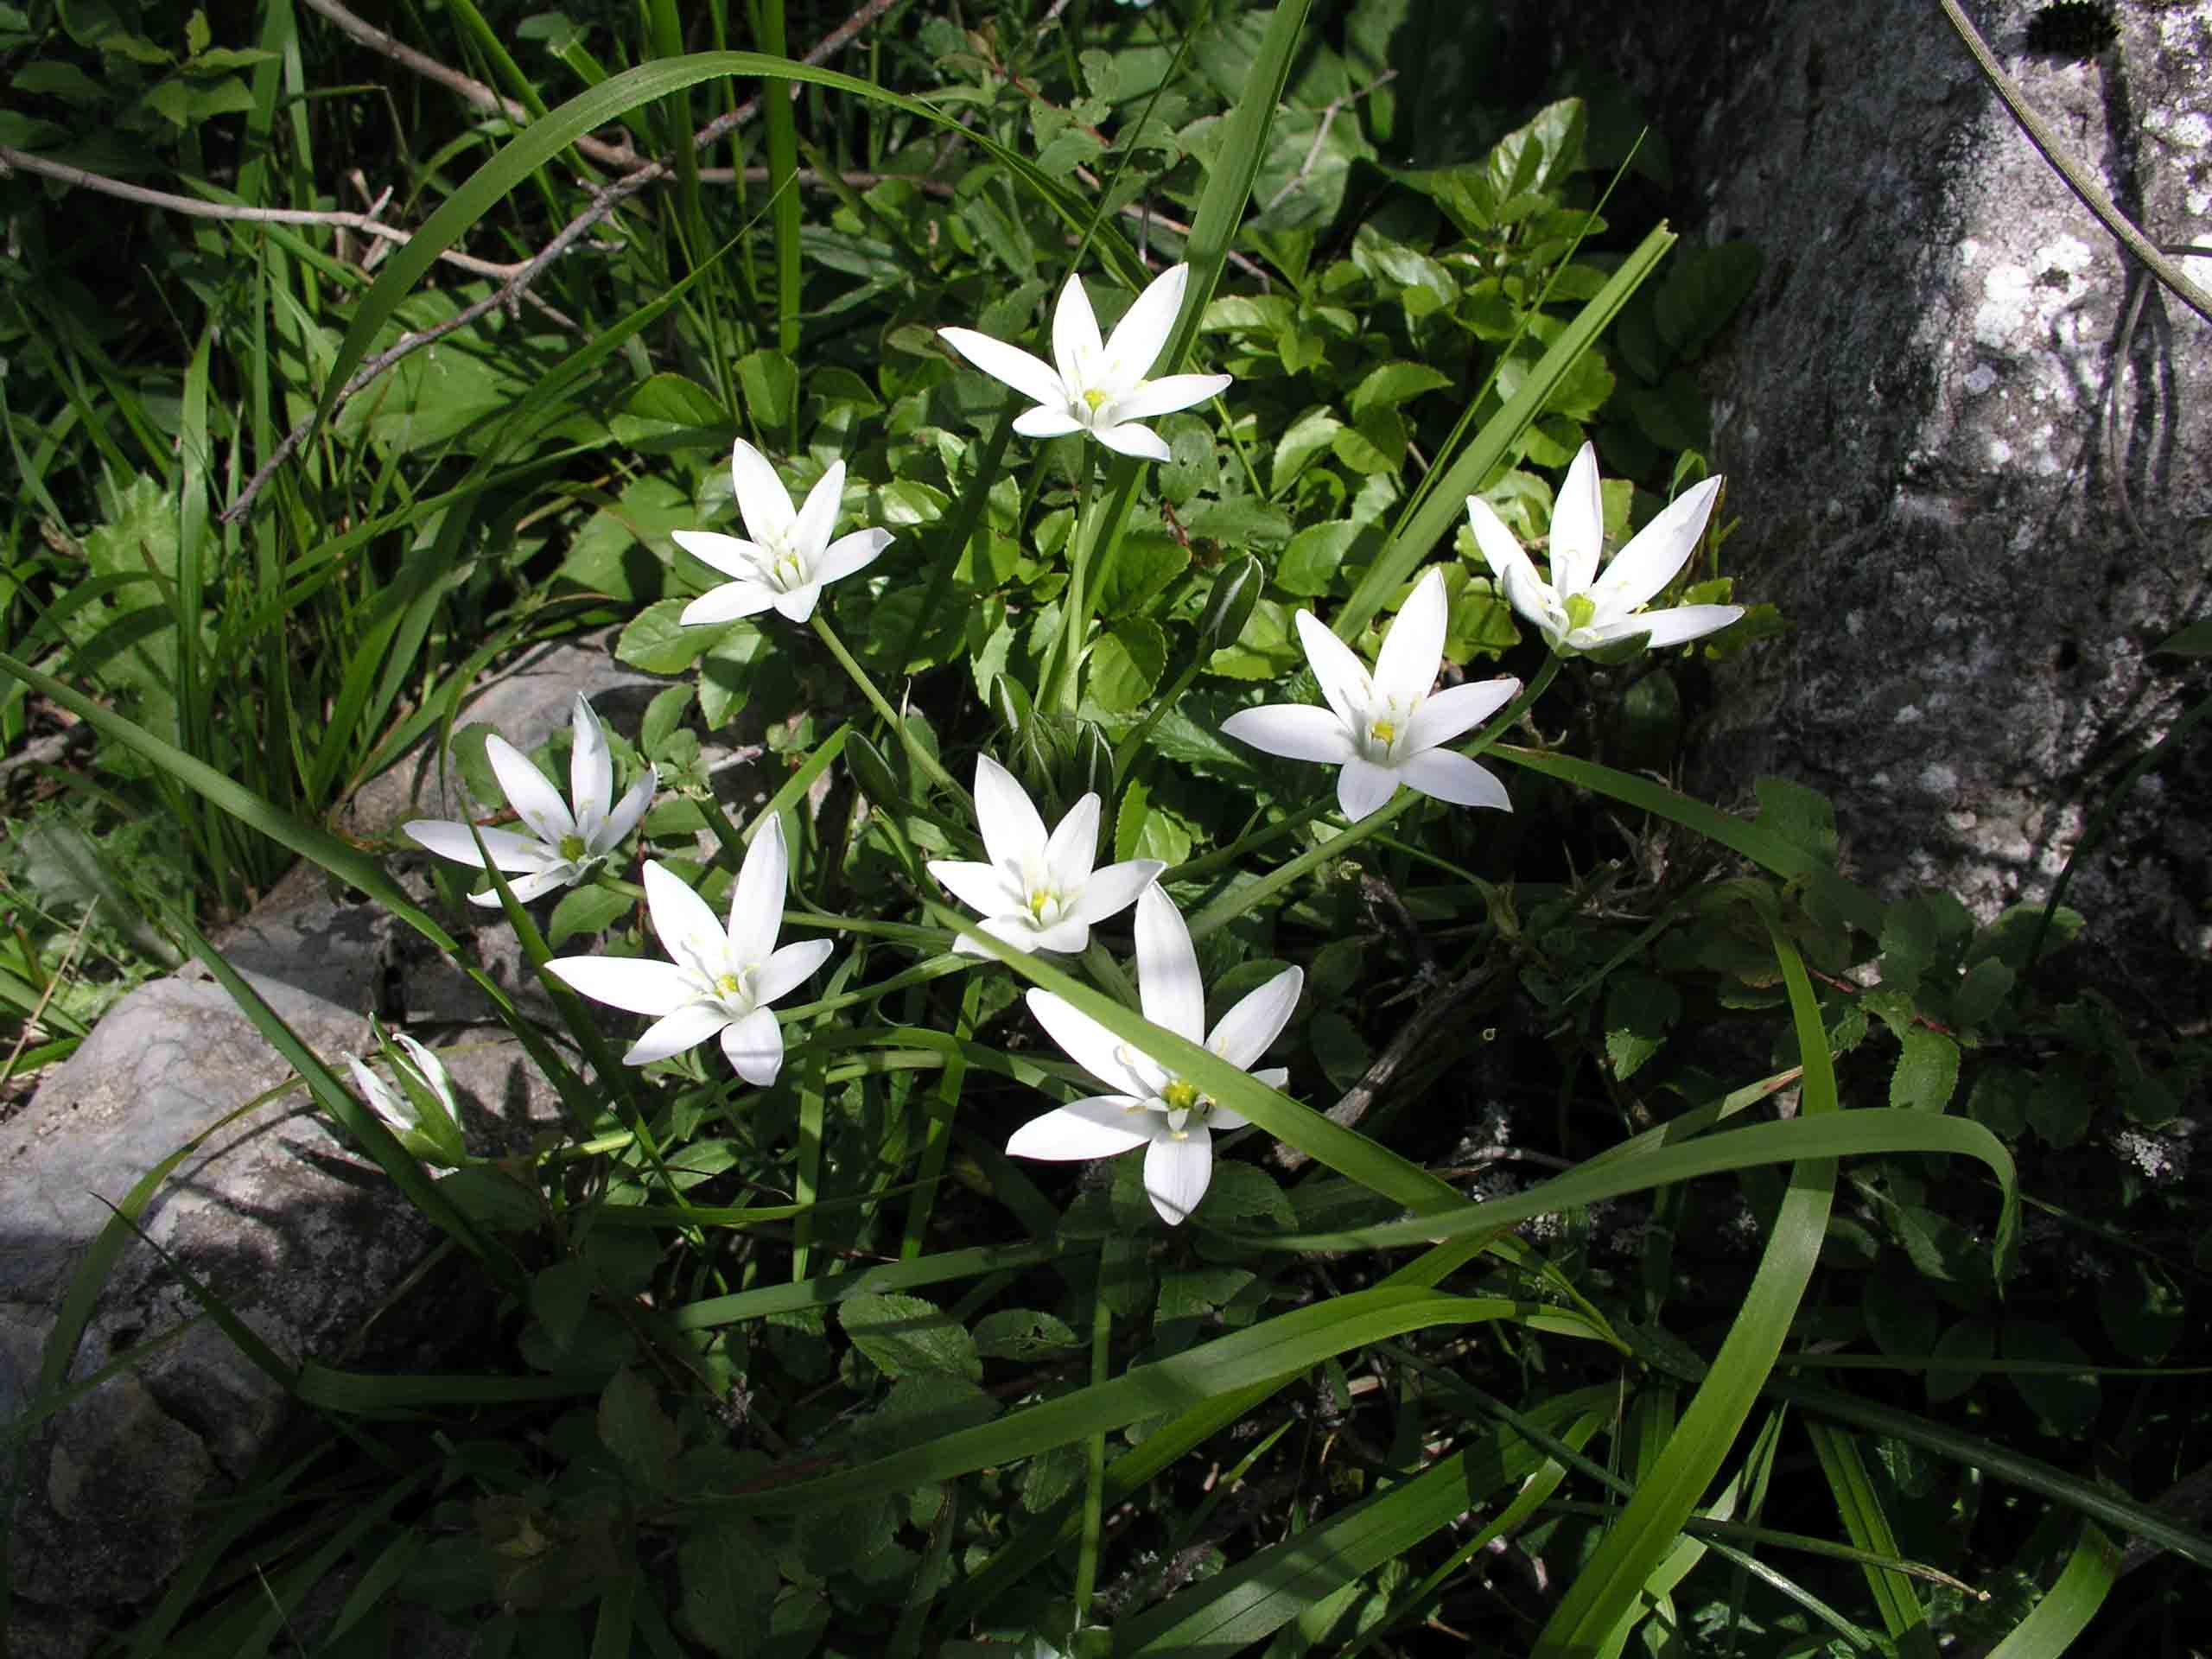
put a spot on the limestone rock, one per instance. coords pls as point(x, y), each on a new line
point(272, 1208)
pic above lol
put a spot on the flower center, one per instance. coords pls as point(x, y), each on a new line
point(787, 571)
point(573, 846)
point(1385, 726)
point(1581, 610)
point(1182, 1101)
point(1094, 399)
point(1045, 903)
point(731, 988)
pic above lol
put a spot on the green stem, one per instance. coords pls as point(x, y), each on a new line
point(1074, 609)
point(1094, 1495)
point(915, 751)
point(937, 1137)
point(1222, 857)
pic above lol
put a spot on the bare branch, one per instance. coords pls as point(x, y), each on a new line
point(194, 207)
point(604, 202)
point(471, 91)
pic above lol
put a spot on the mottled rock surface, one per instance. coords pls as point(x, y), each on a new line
point(306, 1239)
point(1980, 493)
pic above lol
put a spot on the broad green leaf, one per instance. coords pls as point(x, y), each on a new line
point(1126, 663)
point(904, 1336)
point(1311, 564)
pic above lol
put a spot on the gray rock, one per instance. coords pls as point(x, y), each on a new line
point(306, 1239)
point(1911, 413)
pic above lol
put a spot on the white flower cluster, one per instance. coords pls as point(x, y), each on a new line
point(1040, 890)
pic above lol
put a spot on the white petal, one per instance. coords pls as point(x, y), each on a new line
point(1046, 420)
point(1675, 627)
point(1244, 1034)
point(447, 840)
point(537, 883)
point(1073, 846)
point(817, 519)
point(1363, 787)
point(1114, 889)
point(1578, 533)
point(1130, 439)
point(396, 1111)
point(687, 930)
point(1661, 547)
point(1069, 937)
point(1448, 776)
point(687, 1027)
point(1295, 730)
point(788, 968)
point(534, 800)
point(430, 1070)
point(756, 901)
point(1164, 396)
point(1076, 348)
point(983, 888)
point(1017, 928)
point(1414, 648)
point(1273, 1075)
point(1142, 334)
point(1445, 714)
point(591, 769)
point(628, 811)
point(1014, 834)
point(849, 553)
point(1089, 1045)
point(1030, 376)
point(1167, 968)
point(1176, 1173)
point(1098, 1128)
point(636, 984)
point(798, 604)
point(1501, 550)
point(1344, 677)
point(754, 1048)
point(728, 602)
point(731, 555)
point(762, 501)
point(1536, 599)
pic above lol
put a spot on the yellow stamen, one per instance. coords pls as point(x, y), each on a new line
point(1094, 399)
point(573, 847)
point(1179, 1096)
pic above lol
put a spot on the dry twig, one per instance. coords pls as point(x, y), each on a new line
point(194, 207)
point(604, 202)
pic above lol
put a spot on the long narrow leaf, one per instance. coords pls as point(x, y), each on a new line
point(1603, 1593)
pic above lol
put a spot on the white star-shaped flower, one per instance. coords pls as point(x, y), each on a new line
point(1578, 611)
point(1149, 1106)
point(564, 847)
point(1384, 729)
point(790, 556)
point(721, 980)
point(420, 1112)
point(1038, 892)
point(1094, 387)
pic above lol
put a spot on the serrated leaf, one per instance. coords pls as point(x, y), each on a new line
point(725, 672)
point(1389, 385)
point(1802, 816)
point(770, 387)
point(730, 1584)
point(1639, 1009)
point(1024, 1333)
point(1971, 1339)
point(1144, 562)
point(2067, 1403)
point(1312, 563)
point(1927, 1070)
point(1308, 436)
point(904, 1336)
point(632, 1426)
point(587, 911)
point(657, 642)
point(1126, 664)
point(1981, 992)
point(559, 1296)
point(2144, 1310)
point(664, 404)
